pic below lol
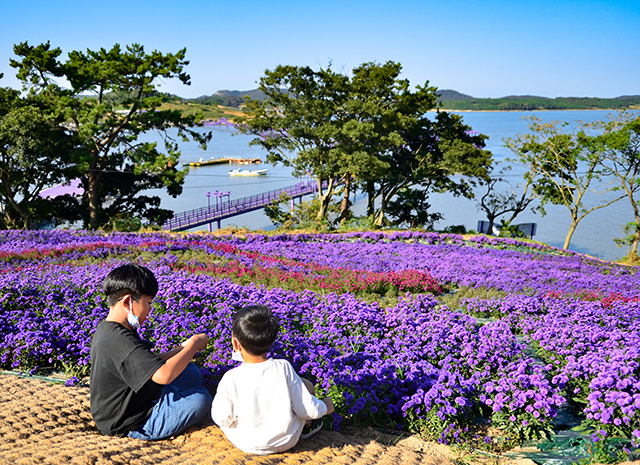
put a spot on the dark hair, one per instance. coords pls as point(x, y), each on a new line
point(130, 279)
point(255, 328)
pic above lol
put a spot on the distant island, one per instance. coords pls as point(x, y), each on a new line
point(448, 99)
point(453, 100)
point(229, 98)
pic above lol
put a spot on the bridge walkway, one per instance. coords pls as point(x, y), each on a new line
point(234, 207)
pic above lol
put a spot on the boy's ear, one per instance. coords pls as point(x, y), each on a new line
point(126, 302)
point(235, 343)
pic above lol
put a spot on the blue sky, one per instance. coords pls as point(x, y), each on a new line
point(481, 48)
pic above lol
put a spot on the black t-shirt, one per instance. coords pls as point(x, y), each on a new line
point(122, 393)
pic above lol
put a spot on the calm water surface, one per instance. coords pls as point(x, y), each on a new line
point(594, 234)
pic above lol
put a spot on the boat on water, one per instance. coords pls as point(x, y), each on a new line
point(210, 161)
point(239, 172)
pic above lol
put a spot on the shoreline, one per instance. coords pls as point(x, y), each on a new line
point(532, 111)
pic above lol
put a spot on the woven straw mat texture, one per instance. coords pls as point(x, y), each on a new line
point(44, 423)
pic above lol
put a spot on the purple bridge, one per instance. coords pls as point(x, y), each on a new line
point(220, 123)
point(227, 209)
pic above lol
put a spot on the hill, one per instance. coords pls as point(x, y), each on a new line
point(453, 100)
point(447, 94)
point(229, 98)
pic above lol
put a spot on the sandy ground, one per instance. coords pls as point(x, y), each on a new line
point(47, 423)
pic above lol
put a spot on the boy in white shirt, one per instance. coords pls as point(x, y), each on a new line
point(262, 406)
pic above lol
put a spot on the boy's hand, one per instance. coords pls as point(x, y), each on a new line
point(329, 403)
point(199, 341)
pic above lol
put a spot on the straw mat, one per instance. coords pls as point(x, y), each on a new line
point(47, 423)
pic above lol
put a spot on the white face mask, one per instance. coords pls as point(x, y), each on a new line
point(236, 354)
point(133, 321)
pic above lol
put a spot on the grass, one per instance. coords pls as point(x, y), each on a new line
point(207, 111)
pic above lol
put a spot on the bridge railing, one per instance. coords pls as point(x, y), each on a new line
point(233, 207)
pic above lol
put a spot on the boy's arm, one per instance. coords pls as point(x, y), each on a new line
point(306, 405)
point(222, 406)
point(328, 401)
point(171, 353)
point(179, 361)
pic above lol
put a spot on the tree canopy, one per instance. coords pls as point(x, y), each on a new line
point(563, 166)
point(111, 100)
point(495, 203)
point(35, 152)
point(619, 139)
point(368, 130)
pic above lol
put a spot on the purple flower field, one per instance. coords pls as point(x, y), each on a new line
point(423, 361)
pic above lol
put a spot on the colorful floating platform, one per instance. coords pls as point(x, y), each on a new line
point(220, 161)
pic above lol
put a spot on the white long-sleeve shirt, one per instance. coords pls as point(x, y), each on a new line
point(262, 407)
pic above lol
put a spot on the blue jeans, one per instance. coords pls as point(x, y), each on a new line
point(183, 403)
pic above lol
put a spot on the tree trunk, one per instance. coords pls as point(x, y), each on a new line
point(370, 198)
point(92, 196)
point(634, 245)
point(324, 207)
point(325, 199)
point(379, 221)
point(11, 202)
point(26, 217)
point(344, 206)
point(567, 240)
point(636, 236)
point(492, 220)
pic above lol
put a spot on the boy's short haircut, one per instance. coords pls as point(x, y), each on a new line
point(255, 328)
point(130, 279)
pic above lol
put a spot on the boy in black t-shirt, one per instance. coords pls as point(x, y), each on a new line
point(135, 392)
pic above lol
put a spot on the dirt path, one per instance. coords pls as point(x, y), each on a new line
point(51, 424)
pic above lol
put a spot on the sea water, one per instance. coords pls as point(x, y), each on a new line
point(594, 234)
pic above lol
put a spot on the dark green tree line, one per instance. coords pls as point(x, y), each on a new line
point(526, 103)
point(366, 131)
point(111, 99)
point(35, 153)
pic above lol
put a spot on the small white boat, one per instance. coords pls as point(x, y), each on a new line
point(239, 172)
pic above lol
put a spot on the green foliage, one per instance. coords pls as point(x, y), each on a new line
point(620, 142)
point(455, 229)
point(35, 153)
point(562, 166)
point(436, 156)
point(197, 110)
point(453, 300)
point(234, 99)
point(111, 101)
point(304, 215)
point(429, 426)
point(521, 425)
point(279, 217)
point(297, 124)
point(359, 223)
point(366, 131)
point(411, 208)
point(629, 229)
point(510, 230)
point(124, 222)
point(527, 103)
